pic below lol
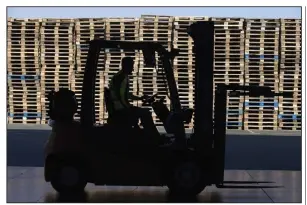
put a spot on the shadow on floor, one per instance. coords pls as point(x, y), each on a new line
point(129, 197)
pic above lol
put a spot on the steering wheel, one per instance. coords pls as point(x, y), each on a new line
point(149, 100)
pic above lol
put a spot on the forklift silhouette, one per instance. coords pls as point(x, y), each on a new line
point(116, 153)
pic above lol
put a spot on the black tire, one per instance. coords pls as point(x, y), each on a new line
point(68, 178)
point(186, 179)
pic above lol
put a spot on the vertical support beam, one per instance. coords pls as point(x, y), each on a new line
point(178, 123)
point(203, 37)
point(219, 133)
point(87, 114)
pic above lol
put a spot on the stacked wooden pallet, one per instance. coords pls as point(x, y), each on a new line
point(154, 29)
point(87, 29)
point(23, 71)
point(229, 64)
point(290, 75)
point(57, 58)
point(261, 68)
point(46, 54)
point(184, 63)
point(121, 29)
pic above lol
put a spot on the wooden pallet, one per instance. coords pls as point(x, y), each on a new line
point(290, 64)
point(291, 26)
point(23, 84)
point(77, 80)
point(54, 83)
point(156, 22)
point(229, 34)
point(26, 35)
point(292, 44)
point(270, 43)
point(289, 117)
point(228, 80)
point(228, 23)
point(294, 81)
point(50, 59)
point(290, 107)
point(295, 55)
point(260, 113)
point(90, 22)
point(11, 120)
point(80, 65)
point(89, 30)
point(155, 28)
point(260, 125)
point(22, 58)
point(24, 108)
point(23, 69)
point(234, 112)
point(64, 69)
point(122, 29)
point(290, 61)
point(290, 126)
point(26, 101)
point(22, 27)
point(254, 51)
point(86, 30)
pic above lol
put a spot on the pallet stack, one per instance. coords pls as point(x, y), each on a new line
point(184, 63)
point(86, 30)
point(229, 64)
point(23, 71)
point(47, 54)
point(261, 68)
point(289, 117)
point(121, 29)
point(154, 29)
point(57, 58)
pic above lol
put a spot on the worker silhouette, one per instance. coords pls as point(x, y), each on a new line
point(120, 95)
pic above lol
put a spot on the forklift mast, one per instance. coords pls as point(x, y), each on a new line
point(202, 34)
point(209, 137)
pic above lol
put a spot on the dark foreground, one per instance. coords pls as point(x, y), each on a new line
point(245, 150)
point(26, 184)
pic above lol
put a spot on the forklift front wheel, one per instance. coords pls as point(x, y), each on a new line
point(187, 178)
point(69, 178)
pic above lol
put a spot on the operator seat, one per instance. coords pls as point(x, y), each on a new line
point(116, 117)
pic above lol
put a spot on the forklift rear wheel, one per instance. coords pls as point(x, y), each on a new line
point(187, 178)
point(69, 178)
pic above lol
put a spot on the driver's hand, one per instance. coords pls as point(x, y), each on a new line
point(144, 97)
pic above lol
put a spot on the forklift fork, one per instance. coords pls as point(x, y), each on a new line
point(219, 135)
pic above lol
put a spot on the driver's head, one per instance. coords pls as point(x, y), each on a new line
point(127, 65)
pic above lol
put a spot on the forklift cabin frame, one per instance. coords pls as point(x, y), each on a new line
point(87, 114)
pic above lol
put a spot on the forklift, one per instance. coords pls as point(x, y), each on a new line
point(117, 152)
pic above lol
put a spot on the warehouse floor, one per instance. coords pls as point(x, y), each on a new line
point(250, 155)
point(26, 184)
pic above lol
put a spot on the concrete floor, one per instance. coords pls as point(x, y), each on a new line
point(26, 184)
point(250, 155)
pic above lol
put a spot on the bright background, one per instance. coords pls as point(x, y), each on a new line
point(96, 12)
